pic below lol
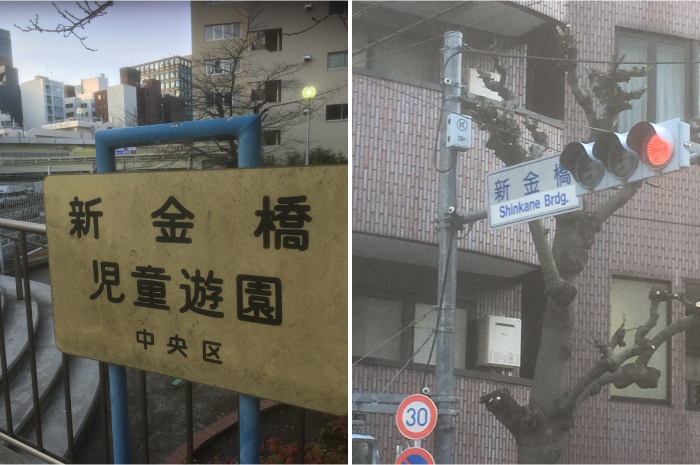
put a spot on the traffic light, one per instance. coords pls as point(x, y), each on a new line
point(614, 159)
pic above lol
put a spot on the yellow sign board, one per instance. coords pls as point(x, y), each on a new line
point(233, 278)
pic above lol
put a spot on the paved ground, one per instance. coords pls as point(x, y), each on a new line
point(166, 417)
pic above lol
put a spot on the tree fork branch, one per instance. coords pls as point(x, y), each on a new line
point(518, 419)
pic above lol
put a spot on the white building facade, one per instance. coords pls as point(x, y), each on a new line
point(122, 105)
point(42, 102)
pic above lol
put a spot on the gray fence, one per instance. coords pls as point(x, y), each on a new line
point(20, 201)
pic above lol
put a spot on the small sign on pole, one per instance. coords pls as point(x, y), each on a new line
point(415, 455)
point(459, 131)
point(530, 191)
point(416, 416)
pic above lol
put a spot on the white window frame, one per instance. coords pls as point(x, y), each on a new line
point(217, 67)
point(345, 60)
point(219, 31)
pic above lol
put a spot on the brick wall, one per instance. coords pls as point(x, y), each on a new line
point(655, 236)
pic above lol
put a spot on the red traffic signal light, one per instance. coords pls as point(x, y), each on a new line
point(615, 158)
point(654, 143)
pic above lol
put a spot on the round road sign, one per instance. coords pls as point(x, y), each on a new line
point(416, 416)
point(415, 455)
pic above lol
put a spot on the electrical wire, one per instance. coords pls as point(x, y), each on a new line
point(459, 29)
point(671, 190)
point(569, 60)
point(407, 362)
point(440, 301)
point(675, 223)
point(413, 323)
point(411, 26)
point(367, 8)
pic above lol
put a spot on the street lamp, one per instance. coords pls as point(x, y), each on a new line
point(308, 93)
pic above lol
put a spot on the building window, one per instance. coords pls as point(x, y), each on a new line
point(84, 105)
point(271, 137)
point(50, 119)
point(270, 91)
point(57, 99)
point(692, 351)
point(48, 89)
point(337, 8)
point(546, 80)
point(50, 110)
point(337, 112)
point(270, 39)
point(58, 89)
point(668, 87)
point(380, 320)
point(69, 105)
point(629, 301)
point(222, 31)
point(70, 114)
point(338, 60)
point(58, 109)
point(214, 67)
point(226, 99)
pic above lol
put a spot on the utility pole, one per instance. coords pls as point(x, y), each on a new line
point(444, 361)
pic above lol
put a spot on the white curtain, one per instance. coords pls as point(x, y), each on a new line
point(635, 50)
point(670, 83)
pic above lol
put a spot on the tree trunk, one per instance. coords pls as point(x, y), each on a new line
point(544, 446)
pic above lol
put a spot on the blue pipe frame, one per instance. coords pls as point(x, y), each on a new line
point(245, 129)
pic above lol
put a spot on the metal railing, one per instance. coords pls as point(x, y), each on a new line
point(21, 264)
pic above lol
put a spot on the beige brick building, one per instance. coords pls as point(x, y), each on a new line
point(284, 33)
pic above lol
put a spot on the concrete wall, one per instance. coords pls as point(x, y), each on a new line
point(329, 36)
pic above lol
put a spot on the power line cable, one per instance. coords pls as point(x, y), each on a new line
point(459, 29)
point(432, 334)
point(413, 323)
point(401, 31)
point(367, 8)
point(442, 296)
point(569, 60)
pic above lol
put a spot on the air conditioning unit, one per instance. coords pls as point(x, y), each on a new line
point(499, 341)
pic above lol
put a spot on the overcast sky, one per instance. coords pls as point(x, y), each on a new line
point(132, 32)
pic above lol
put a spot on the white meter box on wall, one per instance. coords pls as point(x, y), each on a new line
point(499, 341)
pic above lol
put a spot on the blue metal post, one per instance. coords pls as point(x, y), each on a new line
point(249, 428)
point(247, 130)
point(118, 399)
point(248, 406)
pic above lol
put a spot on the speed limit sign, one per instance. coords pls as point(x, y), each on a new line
point(416, 416)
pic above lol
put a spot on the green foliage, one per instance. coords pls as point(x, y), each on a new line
point(331, 447)
point(317, 156)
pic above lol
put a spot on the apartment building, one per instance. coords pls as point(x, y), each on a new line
point(43, 102)
point(80, 101)
point(270, 37)
point(175, 76)
point(652, 240)
point(10, 94)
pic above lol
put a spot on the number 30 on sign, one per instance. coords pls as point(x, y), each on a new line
point(416, 416)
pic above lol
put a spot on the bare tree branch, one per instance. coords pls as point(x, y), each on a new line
point(89, 11)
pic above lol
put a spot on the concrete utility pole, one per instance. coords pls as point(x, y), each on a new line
point(444, 361)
